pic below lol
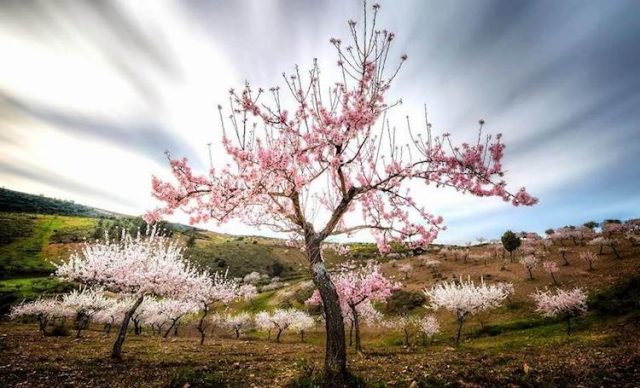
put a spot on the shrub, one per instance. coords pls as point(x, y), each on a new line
point(401, 302)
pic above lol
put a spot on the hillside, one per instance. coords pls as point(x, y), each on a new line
point(15, 201)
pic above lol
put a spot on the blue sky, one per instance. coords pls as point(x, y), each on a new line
point(93, 93)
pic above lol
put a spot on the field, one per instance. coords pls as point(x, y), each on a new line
point(512, 345)
point(603, 355)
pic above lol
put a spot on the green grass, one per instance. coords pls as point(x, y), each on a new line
point(24, 255)
point(30, 288)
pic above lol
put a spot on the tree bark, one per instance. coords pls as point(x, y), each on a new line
point(356, 325)
point(335, 361)
point(117, 346)
point(201, 324)
point(173, 324)
point(615, 251)
point(278, 335)
point(460, 322)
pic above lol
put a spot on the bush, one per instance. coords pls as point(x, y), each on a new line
point(402, 302)
point(618, 300)
point(275, 269)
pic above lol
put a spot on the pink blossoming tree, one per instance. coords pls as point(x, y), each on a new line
point(333, 150)
point(357, 287)
point(569, 303)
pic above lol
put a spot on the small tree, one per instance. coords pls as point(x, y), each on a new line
point(210, 289)
point(239, 322)
point(589, 258)
point(563, 253)
point(551, 268)
point(263, 322)
point(510, 242)
point(84, 304)
point(356, 287)
point(282, 319)
point(591, 225)
point(405, 268)
point(603, 242)
point(301, 322)
point(428, 327)
point(406, 324)
point(569, 303)
point(465, 299)
point(44, 311)
point(140, 266)
point(529, 262)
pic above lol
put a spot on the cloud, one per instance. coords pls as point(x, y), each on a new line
point(114, 84)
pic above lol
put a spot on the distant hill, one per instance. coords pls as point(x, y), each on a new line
point(18, 202)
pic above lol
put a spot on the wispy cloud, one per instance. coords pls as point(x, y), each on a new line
point(92, 93)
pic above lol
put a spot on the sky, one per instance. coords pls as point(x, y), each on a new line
point(93, 92)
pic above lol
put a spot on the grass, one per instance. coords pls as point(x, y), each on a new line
point(24, 254)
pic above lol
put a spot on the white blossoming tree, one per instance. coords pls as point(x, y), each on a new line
point(139, 266)
point(465, 298)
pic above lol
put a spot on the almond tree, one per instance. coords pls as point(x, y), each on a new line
point(428, 326)
point(606, 242)
point(589, 258)
point(84, 304)
point(239, 322)
point(405, 323)
point(563, 252)
point(217, 288)
point(43, 310)
point(569, 303)
point(551, 268)
point(140, 266)
point(301, 322)
point(113, 313)
point(300, 169)
point(529, 262)
point(465, 299)
point(356, 287)
point(405, 268)
point(172, 310)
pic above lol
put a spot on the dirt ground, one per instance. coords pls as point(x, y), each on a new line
point(28, 359)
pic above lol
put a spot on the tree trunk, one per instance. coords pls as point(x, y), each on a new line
point(117, 346)
point(564, 257)
point(237, 333)
point(173, 323)
point(301, 335)
point(175, 329)
point(530, 274)
point(615, 251)
point(278, 335)
point(356, 325)
point(201, 325)
point(406, 336)
point(335, 361)
point(554, 279)
point(460, 322)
